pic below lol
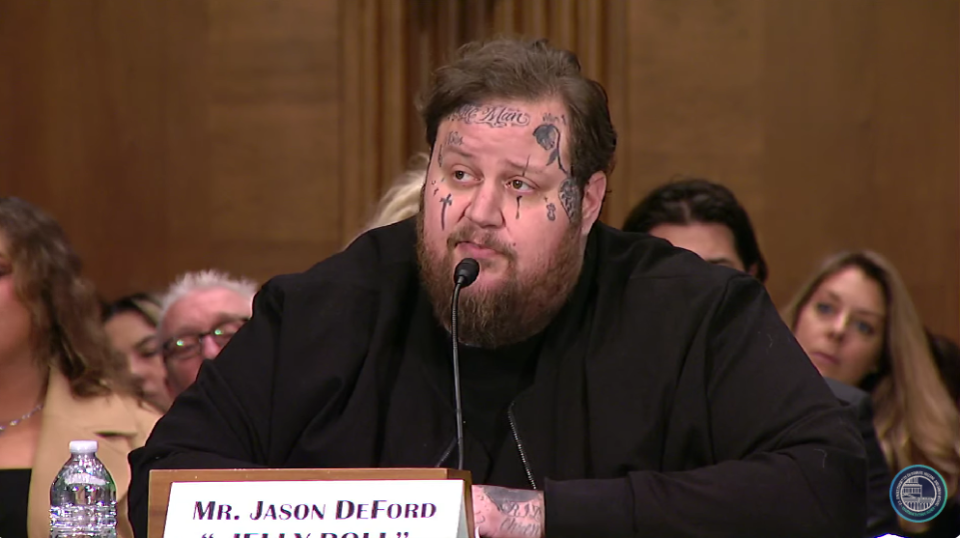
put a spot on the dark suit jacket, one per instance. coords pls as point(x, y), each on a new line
point(669, 398)
point(881, 519)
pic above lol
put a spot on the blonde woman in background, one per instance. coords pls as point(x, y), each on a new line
point(858, 325)
point(402, 201)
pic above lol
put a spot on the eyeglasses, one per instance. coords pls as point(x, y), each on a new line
point(188, 346)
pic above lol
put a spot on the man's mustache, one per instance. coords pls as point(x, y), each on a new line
point(471, 234)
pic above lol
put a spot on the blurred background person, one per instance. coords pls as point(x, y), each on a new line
point(131, 324)
point(402, 200)
point(946, 354)
point(703, 217)
point(59, 378)
point(199, 314)
point(706, 218)
point(856, 321)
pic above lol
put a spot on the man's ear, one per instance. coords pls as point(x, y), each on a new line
point(592, 202)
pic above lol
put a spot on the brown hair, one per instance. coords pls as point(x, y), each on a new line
point(915, 419)
point(527, 70)
point(67, 332)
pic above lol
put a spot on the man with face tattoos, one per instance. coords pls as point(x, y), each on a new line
point(612, 385)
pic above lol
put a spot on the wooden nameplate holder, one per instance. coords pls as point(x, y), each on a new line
point(324, 503)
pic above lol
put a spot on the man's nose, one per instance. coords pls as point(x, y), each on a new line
point(486, 205)
point(209, 349)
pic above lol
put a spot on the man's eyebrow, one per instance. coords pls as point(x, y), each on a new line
point(524, 167)
point(458, 150)
point(222, 317)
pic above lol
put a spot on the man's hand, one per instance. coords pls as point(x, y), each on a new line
point(507, 513)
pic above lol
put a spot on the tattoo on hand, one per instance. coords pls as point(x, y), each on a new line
point(570, 199)
point(551, 212)
point(522, 510)
point(504, 497)
point(517, 528)
point(445, 202)
point(495, 116)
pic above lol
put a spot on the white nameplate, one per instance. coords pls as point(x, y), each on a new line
point(317, 509)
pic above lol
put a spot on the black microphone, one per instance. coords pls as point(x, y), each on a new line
point(465, 274)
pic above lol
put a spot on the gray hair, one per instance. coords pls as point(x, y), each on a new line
point(201, 280)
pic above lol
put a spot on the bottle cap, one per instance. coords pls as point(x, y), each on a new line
point(83, 447)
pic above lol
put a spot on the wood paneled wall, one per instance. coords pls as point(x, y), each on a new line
point(256, 135)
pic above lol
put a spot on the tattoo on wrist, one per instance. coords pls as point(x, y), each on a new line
point(522, 510)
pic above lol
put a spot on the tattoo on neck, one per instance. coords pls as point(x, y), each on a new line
point(494, 116)
point(444, 202)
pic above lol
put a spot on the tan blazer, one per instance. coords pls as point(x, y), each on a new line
point(118, 423)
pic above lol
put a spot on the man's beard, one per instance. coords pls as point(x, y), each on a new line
point(519, 307)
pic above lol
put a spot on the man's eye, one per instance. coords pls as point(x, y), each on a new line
point(520, 185)
point(460, 175)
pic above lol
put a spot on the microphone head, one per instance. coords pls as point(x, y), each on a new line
point(466, 272)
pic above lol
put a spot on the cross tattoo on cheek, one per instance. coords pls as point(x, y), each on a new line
point(445, 202)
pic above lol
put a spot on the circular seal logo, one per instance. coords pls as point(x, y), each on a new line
point(918, 493)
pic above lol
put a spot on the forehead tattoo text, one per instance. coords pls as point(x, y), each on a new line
point(494, 116)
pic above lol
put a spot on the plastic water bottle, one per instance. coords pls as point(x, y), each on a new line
point(83, 497)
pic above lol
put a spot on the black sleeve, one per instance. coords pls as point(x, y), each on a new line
point(221, 421)
point(789, 461)
point(881, 519)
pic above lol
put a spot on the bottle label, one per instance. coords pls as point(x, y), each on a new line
point(81, 478)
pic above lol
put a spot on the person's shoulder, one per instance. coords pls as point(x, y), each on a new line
point(143, 415)
point(376, 257)
point(640, 259)
point(848, 394)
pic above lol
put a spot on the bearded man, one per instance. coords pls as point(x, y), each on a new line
point(612, 385)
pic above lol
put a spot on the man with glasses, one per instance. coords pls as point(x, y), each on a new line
point(201, 311)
